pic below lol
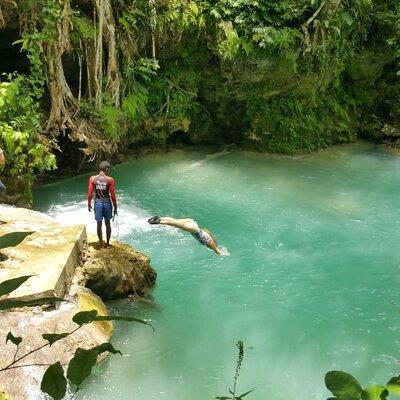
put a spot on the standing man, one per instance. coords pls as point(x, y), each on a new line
point(104, 188)
point(2, 163)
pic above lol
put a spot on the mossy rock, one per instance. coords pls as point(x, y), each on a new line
point(88, 301)
point(3, 394)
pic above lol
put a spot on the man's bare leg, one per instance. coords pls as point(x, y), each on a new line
point(100, 232)
point(186, 224)
point(108, 231)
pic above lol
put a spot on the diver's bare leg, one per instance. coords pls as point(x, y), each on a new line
point(186, 224)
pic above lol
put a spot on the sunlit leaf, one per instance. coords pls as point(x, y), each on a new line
point(394, 386)
point(343, 385)
point(375, 393)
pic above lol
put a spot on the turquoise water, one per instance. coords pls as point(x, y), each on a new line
point(311, 284)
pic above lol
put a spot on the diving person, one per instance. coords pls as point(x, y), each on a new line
point(203, 236)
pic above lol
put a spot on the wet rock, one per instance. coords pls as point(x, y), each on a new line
point(116, 271)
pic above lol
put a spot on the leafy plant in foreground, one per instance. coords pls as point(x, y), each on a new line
point(345, 387)
point(239, 362)
point(54, 381)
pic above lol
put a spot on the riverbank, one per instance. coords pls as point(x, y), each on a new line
point(64, 262)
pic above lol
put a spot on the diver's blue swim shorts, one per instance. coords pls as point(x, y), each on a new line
point(102, 209)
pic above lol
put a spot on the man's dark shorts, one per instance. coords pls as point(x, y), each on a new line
point(102, 209)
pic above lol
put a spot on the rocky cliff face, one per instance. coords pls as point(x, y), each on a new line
point(63, 263)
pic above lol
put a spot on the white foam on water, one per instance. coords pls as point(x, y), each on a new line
point(130, 217)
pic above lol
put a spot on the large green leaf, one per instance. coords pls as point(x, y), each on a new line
point(343, 385)
point(54, 382)
point(10, 285)
point(122, 318)
point(84, 317)
point(81, 364)
point(375, 393)
point(107, 347)
point(14, 339)
point(394, 386)
point(54, 337)
point(7, 304)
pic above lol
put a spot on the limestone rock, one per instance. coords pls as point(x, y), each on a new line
point(61, 261)
point(51, 252)
point(30, 324)
point(117, 271)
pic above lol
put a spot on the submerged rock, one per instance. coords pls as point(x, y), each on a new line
point(117, 271)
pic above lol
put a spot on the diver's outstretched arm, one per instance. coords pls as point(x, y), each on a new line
point(215, 248)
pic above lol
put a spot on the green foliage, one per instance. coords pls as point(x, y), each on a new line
point(25, 148)
point(54, 382)
point(112, 121)
point(8, 304)
point(84, 27)
point(279, 75)
point(345, 387)
point(10, 285)
point(83, 361)
point(13, 339)
point(54, 337)
point(233, 395)
point(84, 317)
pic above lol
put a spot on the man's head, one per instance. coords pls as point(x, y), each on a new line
point(104, 166)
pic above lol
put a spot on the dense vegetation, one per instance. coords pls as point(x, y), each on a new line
point(277, 75)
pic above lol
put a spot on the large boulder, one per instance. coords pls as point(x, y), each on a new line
point(116, 271)
point(30, 324)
